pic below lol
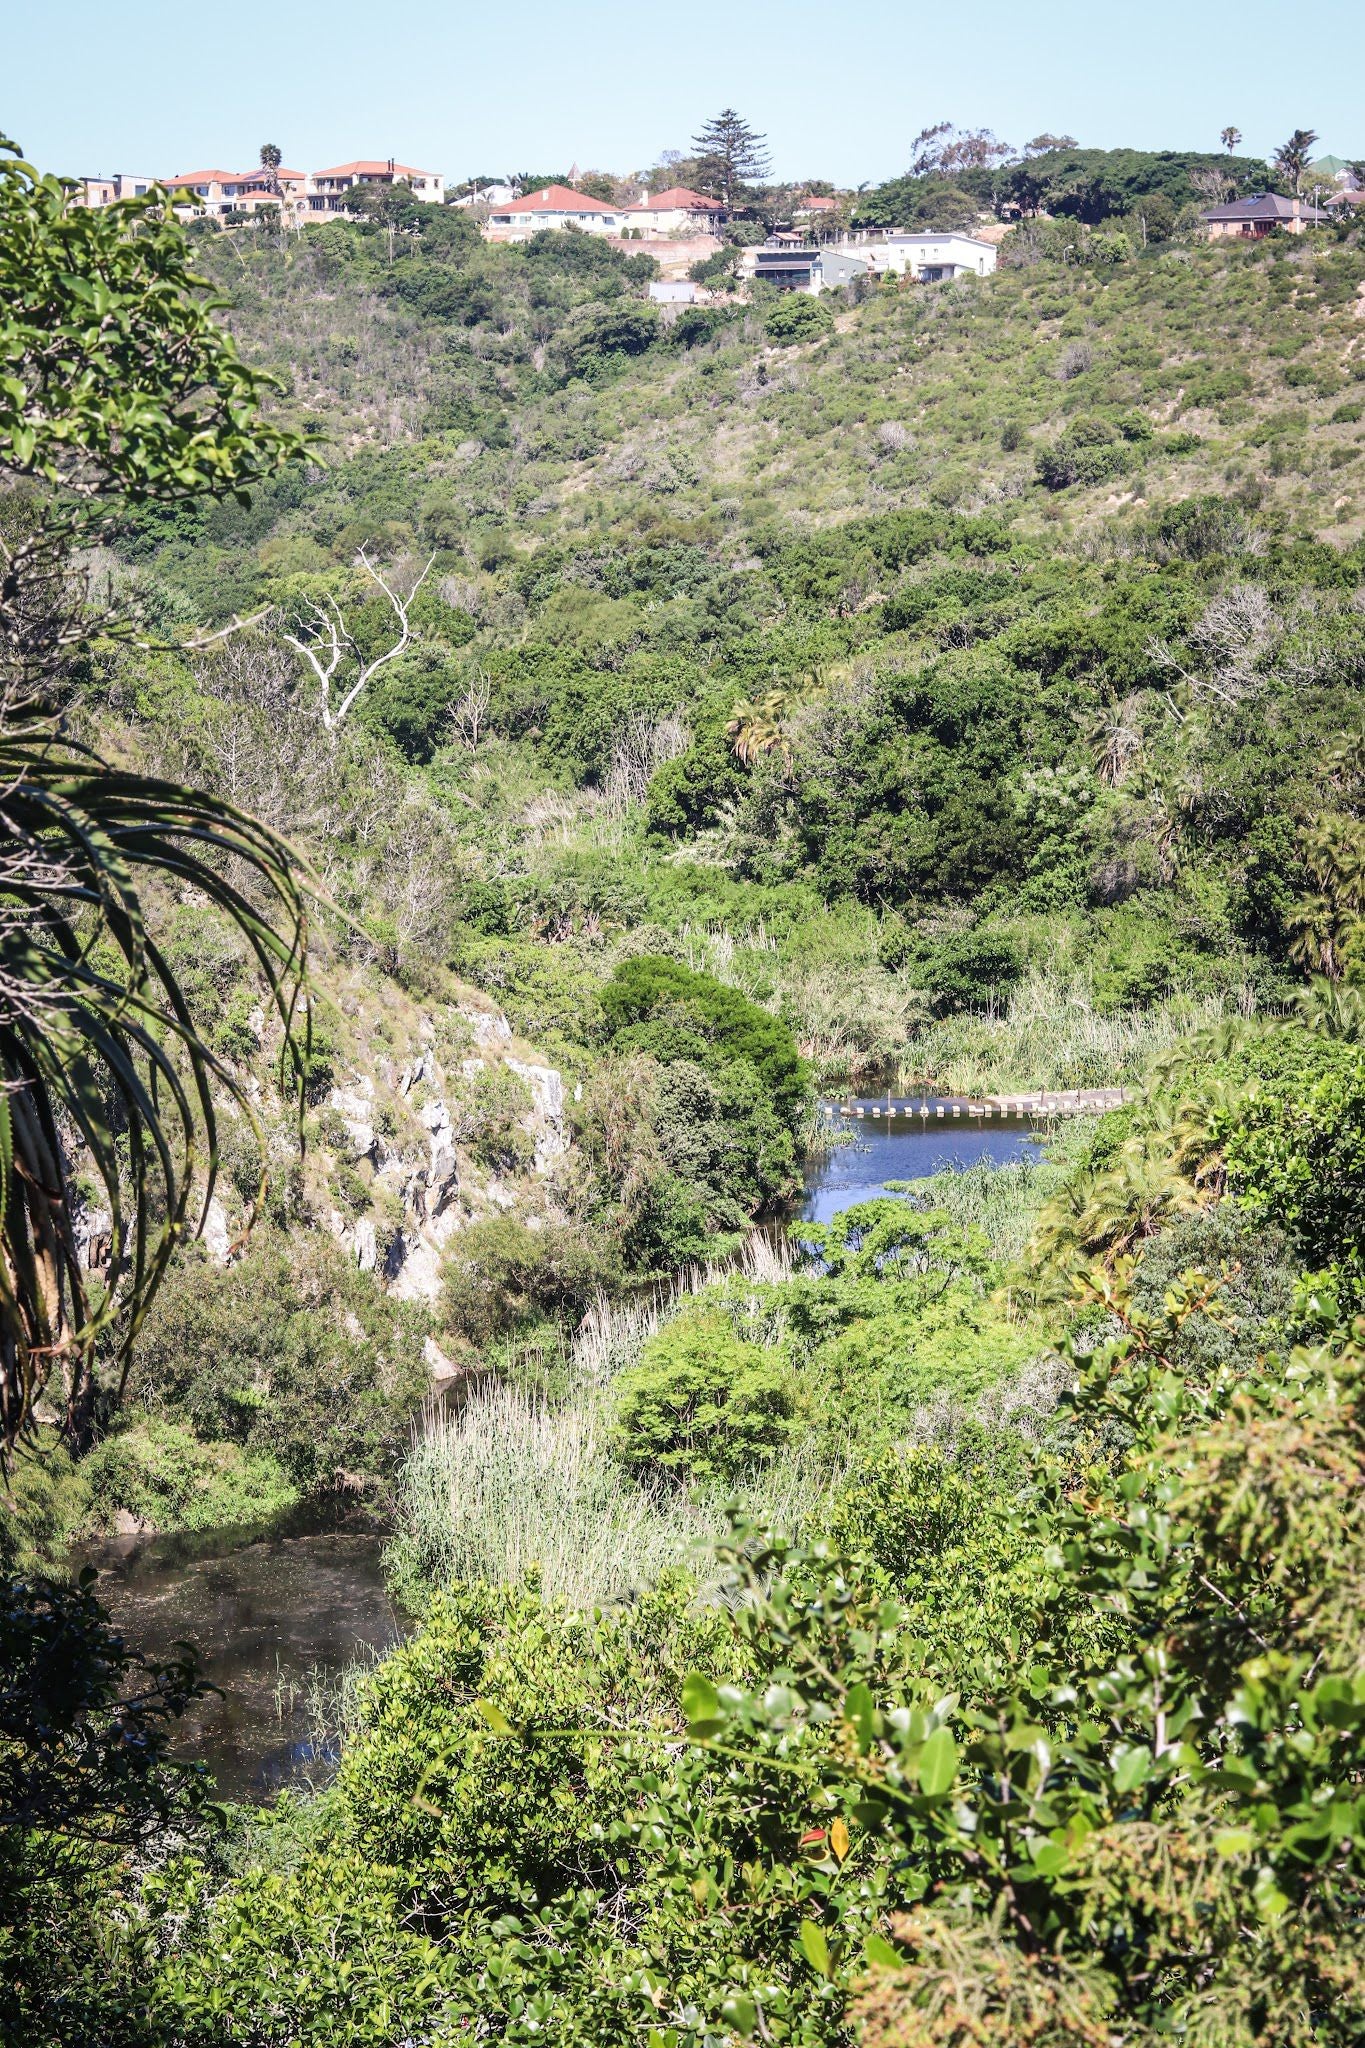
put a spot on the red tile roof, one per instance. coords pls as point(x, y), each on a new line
point(677, 199)
point(204, 178)
point(559, 199)
point(369, 167)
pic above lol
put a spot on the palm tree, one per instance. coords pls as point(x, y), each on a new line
point(101, 1066)
point(271, 159)
point(1230, 139)
point(99, 1058)
point(756, 728)
point(1292, 157)
point(1328, 922)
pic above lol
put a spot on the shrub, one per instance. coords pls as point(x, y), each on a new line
point(695, 1014)
point(165, 1478)
point(796, 317)
point(501, 1275)
point(290, 1352)
point(703, 1404)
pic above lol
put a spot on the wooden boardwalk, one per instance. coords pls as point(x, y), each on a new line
point(964, 1108)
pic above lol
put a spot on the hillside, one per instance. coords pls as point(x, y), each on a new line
point(926, 1622)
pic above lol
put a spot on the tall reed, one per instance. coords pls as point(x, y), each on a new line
point(509, 1487)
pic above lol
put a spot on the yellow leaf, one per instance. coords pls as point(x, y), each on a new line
point(838, 1839)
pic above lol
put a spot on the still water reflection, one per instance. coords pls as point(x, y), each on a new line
point(272, 1615)
point(905, 1148)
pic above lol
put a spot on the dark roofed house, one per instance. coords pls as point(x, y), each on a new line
point(1261, 214)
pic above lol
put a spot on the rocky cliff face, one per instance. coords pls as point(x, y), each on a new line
point(421, 1147)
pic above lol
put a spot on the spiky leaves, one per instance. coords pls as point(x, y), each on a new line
point(98, 1048)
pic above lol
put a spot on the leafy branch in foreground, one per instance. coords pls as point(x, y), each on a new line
point(116, 388)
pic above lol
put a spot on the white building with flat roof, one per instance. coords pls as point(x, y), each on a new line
point(897, 252)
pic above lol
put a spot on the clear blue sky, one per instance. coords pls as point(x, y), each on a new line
point(840, 90)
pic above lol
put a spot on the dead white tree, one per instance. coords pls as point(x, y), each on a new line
point(334, 647)
point(469, 714)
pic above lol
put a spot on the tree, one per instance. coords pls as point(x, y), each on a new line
point(947, 150)
point(1044, 144)
point(332, 650)
point(118, 391)
point(1230, 138)
point(271, 159)
point(1292, 157)
point(729, 154)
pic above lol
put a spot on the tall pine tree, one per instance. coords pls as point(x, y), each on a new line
point(729, 154)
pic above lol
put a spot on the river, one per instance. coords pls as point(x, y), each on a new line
point(278, 1614)
point(872, 1151)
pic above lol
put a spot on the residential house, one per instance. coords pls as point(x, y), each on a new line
point(896, 252)
point(492, 196)
point(104, 191)
point(554, 206)
point(343, 178)
point(813, 206)
point(794, 266)
point(212, 193)
point(674, 212)
point(1252, 218)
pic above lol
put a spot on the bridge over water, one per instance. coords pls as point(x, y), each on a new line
point(964, 1108)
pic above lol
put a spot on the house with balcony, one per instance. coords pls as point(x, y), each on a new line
point(343, 178)
point(210, 194)
point(792, 265)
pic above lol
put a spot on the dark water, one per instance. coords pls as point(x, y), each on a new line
point(905, 1148)
point(276, 1613)
point(272, 1613)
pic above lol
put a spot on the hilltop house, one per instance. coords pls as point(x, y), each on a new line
point(218, 192)
point(1252, 218)
point(494, 195)
point(341, 178)
point(896, 252)
point(104, 191)
point(793, 266)
point(302, 195)
point(674, 212)
point(554, 206)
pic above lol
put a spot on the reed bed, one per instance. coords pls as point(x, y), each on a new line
point(1053, 1037)
point(509, 1488)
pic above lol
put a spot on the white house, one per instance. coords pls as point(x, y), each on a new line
point(499, 193)
point(896, 252)
point(554, 206)
point(674, 212)
point(342, 178)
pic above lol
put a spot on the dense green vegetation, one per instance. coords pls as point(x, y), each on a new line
point(936, 1627)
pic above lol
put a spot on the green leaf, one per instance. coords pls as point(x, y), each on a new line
point(740, 2014)
point(815, 1947)
point(700, 1700)
point(861, 1712)
point(494, 1717)
point(938, 1763)
point(881, 1955)
point(1233, 1841)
